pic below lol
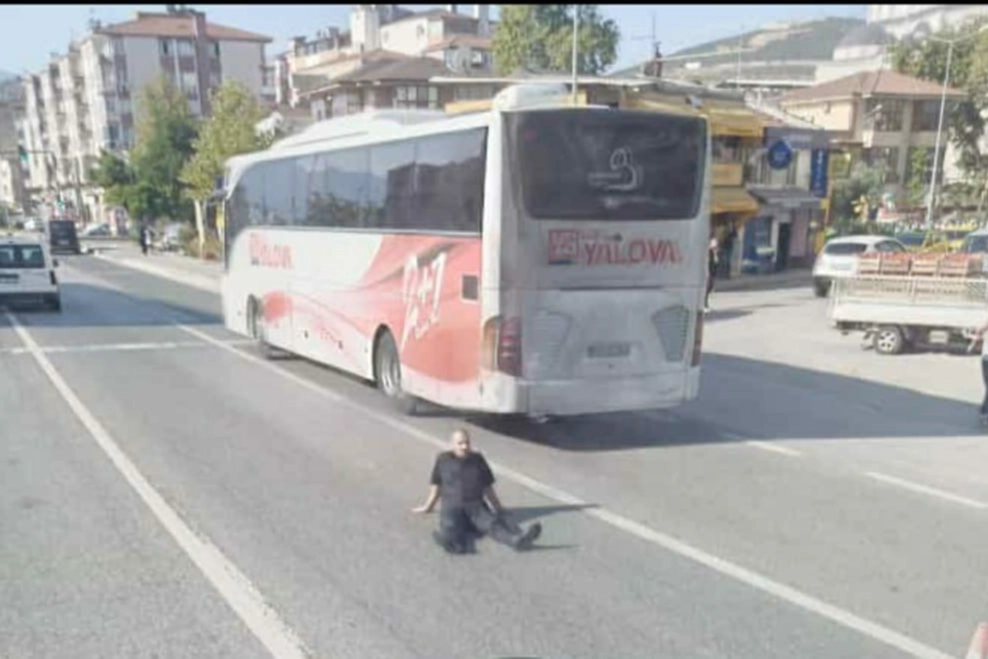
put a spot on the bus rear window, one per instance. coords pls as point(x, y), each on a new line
point(597, 165)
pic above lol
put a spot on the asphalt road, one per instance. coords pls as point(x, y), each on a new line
point(164, 492)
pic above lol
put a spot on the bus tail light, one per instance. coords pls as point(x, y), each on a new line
point(697, 339)
point(502, 345)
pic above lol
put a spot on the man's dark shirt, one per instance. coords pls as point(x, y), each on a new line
point(461, 481)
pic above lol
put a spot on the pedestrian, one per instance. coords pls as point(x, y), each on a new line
point(979, 334)
point(145, 238)
point(464, 484)
point(711, 270)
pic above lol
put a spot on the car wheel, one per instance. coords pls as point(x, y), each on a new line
point(821, 288)
point(888, 340)
point(387, 372)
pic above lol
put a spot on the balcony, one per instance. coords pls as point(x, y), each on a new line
point(725, 174)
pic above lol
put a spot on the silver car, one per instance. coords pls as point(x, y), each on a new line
point(838, 258)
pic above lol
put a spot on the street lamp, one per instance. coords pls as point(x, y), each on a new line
point(943, 103)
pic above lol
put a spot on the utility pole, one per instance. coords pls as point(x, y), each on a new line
point(576, 31)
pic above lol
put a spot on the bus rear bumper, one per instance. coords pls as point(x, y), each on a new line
point(566, 398)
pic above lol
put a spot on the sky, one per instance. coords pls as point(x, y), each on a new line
point(30, 33)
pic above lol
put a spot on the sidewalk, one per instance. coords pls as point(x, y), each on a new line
point(794, 278)
point(206, 274)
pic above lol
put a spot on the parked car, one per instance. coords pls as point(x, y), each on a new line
point(839, 256)
point(97, 231)
point(171, 237)
point(63, 237)
point(975, 242)
point(27, 272)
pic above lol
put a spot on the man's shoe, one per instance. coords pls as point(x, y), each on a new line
point(529, 537)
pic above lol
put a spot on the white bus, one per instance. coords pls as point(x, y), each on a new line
point(537, 258)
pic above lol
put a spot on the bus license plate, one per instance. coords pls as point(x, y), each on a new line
point(609, 350)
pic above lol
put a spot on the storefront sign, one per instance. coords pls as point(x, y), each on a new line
point(779, 155)
point(819, 161)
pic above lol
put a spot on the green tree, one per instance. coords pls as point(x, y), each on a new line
point(927, 59)
point(864, 181)
point(916, 185)
point(116, 177)
point(540, 37)
point(165, 135)
point(228, 132)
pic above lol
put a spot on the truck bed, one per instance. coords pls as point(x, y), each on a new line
point(952, 302)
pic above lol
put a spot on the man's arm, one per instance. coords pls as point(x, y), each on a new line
point(430, 502)
point(492, 499)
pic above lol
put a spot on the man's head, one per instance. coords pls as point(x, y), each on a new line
point(461, 442)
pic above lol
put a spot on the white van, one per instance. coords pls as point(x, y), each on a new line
point(838, 258)
point(27, 272)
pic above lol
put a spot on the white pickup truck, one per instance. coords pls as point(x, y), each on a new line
point(932, 300)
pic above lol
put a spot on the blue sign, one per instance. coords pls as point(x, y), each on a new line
point(780, 155)
point(819, 162)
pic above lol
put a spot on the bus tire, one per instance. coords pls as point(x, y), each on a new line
point(255, 327)
point(387, 374)
point(889, 340)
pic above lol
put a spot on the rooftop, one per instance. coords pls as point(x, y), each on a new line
point(469, 40)
point(870, 83)
point(177, 26)
point(393, 66)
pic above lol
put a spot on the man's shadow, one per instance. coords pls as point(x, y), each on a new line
point(525, 514)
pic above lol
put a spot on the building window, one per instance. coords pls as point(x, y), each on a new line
point(354, 102)
point(478, 59)
point(887, 157)
point(164, 46)
point(185, 48)
point(926, 115)
point(214, 49)
point(420, 97)
point(888, 118)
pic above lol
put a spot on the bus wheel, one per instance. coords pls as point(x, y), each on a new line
point(255, 326)
point(387, 370)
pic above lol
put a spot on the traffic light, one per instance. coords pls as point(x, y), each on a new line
point(22, 154)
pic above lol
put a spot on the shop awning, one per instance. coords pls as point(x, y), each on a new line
point(656, 105)
point(733, 200)
point(786, 198)
point(734, 122)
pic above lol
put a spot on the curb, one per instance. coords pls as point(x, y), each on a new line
point(195, 281)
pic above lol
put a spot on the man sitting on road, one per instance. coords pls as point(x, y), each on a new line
point(462, 479)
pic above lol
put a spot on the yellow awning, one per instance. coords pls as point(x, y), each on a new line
point(734, 122)
point(639, 103)
point(732, 200)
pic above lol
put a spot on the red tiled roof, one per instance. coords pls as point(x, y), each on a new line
point(177, 26)
point(870, 83)
point(401, 68)
point(469, 40)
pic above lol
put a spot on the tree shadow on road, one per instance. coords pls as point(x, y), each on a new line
point(743, 399)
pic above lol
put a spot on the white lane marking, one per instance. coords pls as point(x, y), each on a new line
point(202, 282)
point(925, 489)
point(118, 347)
point(233, 585)
point(758, 581)
point(774, 448)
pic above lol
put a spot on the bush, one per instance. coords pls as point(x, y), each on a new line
point(212, 249)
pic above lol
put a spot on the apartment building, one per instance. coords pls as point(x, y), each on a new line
point(86, 100)
point(455, 41)
point(11, 125)
point(885, 115)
